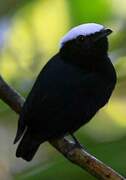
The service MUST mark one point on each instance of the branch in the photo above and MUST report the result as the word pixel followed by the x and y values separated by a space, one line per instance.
pixel 74 154
pixel 10 96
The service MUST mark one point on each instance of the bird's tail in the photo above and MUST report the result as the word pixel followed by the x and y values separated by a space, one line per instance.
pixel 27 147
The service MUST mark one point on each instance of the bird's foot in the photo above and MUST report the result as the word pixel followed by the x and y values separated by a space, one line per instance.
pixel 77 143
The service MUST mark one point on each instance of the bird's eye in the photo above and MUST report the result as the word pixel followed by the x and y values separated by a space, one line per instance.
pixel 80 38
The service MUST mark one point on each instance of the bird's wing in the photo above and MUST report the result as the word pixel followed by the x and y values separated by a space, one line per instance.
pixel 58 92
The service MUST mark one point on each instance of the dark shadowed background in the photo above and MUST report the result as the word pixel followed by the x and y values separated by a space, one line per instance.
pixel 30 33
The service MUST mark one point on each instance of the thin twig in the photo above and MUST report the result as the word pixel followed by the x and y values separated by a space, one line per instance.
pixel 74 154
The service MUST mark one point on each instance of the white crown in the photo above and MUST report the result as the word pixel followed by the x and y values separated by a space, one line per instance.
pixel 83 29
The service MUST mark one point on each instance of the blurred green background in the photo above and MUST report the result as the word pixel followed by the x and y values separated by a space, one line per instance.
pixel 30 33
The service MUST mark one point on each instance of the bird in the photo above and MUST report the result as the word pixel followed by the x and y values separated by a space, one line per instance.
pixel 69 90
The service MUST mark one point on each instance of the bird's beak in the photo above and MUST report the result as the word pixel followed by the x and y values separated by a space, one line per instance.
pixel 107 32
pixel 103 33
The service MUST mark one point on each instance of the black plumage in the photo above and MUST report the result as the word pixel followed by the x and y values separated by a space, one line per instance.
pixel 68 92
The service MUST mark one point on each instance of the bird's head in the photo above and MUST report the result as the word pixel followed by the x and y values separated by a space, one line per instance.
pixel 86 40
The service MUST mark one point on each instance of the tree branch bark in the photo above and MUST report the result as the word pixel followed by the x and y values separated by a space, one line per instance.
pixel 74 154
